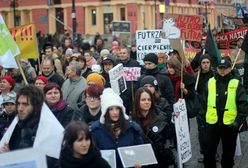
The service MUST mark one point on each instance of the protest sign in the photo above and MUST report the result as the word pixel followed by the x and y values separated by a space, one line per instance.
pixel 138 154
pixel 121 32
pixel 27 158
pixel 132 73
pixel 109 156
pixel 8 47
pixel 148 41
pixel 182 132
pixel 117 79
pixel 190 26
pixel 25 37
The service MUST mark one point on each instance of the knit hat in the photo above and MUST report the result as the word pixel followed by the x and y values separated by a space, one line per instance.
pixel 96 78
pixel 96 68
pixel 10 80
pixel 110 98
pixel 149 80
pixel 9 98
pixel 104 53
pixel 205 56
pixel 42 78
pixel 151 57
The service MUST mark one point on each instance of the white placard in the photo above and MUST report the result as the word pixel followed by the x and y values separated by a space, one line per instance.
pixel 109 156
pixel 27 158
pixel 151 41
pixel 117 79
pixel 238 151
pixel 138 154
pixel 132 73
pixel 182 132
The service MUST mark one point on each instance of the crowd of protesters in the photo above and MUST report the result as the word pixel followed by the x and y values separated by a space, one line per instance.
pixel 72 78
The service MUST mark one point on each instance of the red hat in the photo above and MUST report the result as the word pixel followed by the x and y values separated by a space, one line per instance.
pixel 43 78
pixel 10 80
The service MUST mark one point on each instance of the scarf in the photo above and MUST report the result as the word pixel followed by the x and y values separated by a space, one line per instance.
pixel 89 160
pixel 59 106
pixel 176 80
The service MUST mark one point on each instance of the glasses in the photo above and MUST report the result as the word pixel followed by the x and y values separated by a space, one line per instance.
pixel 92 98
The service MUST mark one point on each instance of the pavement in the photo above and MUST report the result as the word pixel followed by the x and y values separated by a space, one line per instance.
pixel 240 161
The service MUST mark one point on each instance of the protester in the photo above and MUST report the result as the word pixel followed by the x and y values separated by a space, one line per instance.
pixel 164 83
pixel 33 126
pixel 74 86
pixel 85 71
pixel 114 130
pixel 54 99
pixel 7 84
pixel 90 60
pixel 107 64
pixel 226 109
pixel 154 125
pixel 205 74
pixel 8 114
pixel 162 59
pixel 78 149
pixel 40 82
pixel 91 111
pixel 47 67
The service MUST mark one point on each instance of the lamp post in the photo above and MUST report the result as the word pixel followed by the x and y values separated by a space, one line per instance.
pixel 74 21
pixel 155 7
pixel 14 4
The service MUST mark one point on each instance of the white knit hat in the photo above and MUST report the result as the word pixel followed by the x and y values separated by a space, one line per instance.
pixel 110 98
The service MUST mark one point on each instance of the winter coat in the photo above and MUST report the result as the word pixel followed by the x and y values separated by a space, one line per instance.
pixel 5 121
pixel 104 140
pixel 86 116
pixel 54 77
pixel 63 112
pixel 92 159
pixel 73 90
pixel 156 132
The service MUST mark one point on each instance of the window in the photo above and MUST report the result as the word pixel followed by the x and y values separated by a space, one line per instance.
pixel 93 17
pixel 123 13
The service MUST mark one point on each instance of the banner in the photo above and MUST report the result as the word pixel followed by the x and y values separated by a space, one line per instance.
pixel 25 37
pixel 182 132
pixel 148 41
pixel 229 40
pixel 8 47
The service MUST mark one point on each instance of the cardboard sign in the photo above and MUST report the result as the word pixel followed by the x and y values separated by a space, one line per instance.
pixel 117 79
pixel 148 41
pixel 132 73
pixel 109 156
pixel 27 158
pixel 138 154
pixel 182 132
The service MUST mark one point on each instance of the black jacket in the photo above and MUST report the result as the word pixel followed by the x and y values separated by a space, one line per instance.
pixel 92 159
pixel 221 97
pixel 164 83
pixel 86 116
pixel 5 121
pixel 54 77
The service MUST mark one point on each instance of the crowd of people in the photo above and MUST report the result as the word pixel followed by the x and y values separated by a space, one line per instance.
pixel 74 82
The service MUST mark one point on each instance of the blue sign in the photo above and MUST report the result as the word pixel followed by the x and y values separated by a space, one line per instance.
pixel 239 11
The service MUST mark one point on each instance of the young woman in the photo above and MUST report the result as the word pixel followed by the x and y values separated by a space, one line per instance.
pixel 54 100
pixel 185 88
pixel 114 130
pixel 91 111
pixel 78 150
pixel 154 125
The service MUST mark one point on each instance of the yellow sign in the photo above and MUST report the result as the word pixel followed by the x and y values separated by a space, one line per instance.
pixel 25 37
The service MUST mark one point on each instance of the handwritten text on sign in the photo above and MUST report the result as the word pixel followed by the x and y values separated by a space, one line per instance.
pixel 132 73
pixel 182 132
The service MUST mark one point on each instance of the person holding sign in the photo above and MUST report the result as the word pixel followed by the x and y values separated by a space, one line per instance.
pixel 226 109
pixel 155 126
pixel 78 150
pixel 114 129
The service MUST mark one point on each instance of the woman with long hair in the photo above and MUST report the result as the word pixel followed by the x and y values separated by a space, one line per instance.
pixel 114 129
pixel 154 125
pixel 78 150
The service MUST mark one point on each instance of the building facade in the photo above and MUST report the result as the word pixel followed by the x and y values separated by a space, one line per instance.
pixel 93 16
